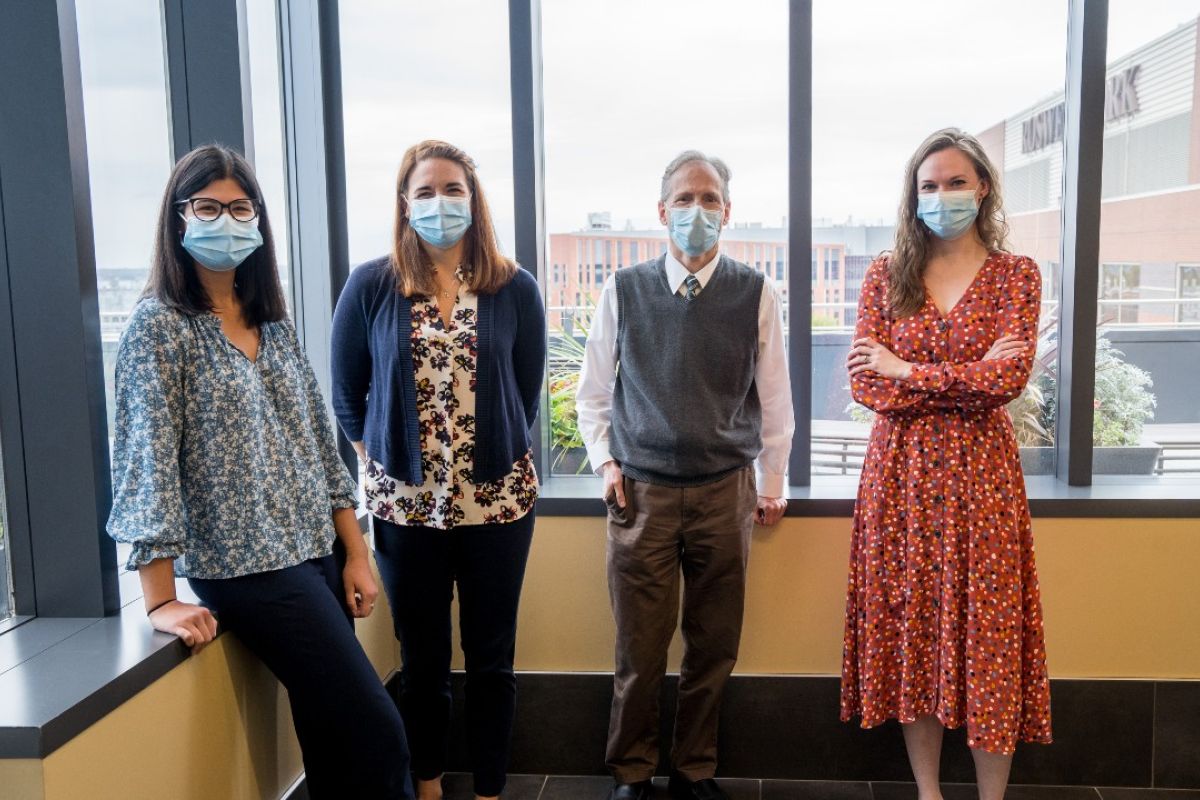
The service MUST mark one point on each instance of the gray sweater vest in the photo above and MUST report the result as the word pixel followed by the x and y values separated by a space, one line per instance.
pixel 685 409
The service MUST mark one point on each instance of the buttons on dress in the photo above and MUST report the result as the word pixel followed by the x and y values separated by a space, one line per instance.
pixel 955 547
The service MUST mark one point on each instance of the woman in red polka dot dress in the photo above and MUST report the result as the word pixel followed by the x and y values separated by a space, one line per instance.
pixel 943 612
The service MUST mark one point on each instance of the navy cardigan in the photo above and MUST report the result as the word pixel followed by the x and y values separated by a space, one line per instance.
pixel 375 393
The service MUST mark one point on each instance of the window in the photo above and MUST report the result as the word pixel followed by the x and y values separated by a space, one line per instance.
pixel 129 161
pixel 265 108
pixel 1118 283
pixel 868 121
pixel 6 599
pixel 1145 418
pixel 1189 288
pixel 449 80
pixel 727 98
pixel 129 154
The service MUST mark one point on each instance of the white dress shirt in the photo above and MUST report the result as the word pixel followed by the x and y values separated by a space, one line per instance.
pixel 598 379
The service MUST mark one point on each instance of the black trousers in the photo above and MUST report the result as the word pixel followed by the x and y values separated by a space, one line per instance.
pixel 420 567
pixel 295 620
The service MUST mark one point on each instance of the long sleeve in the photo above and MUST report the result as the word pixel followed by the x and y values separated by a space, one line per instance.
pixel 529 354
pixel 774 394
pixel 147 506
pixel 986 384
pixel 598 378
pixel 351 356
pixel 343 491
pixel 877 393
pixel 969 384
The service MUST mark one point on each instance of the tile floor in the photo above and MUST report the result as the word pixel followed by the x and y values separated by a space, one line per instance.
pixel 592 787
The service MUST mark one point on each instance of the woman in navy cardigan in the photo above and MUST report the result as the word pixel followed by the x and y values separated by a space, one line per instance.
pixel 438 355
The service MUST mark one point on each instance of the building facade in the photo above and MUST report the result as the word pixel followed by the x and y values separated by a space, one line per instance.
pixel 1149 236
pixel 581 261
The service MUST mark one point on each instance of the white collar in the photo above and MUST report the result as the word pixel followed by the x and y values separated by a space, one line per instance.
pixel 677 273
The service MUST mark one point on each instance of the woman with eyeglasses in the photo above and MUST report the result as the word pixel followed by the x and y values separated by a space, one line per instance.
pixel 439 350
pixel 225 472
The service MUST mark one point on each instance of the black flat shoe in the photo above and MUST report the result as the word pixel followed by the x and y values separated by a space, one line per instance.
pixel 683 789
pixel 630 791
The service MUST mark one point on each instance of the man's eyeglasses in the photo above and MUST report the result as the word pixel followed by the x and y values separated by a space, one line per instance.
pixel 206 209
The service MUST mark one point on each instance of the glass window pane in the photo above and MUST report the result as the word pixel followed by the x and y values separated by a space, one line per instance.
pixel 129 161
pixel 1145 410
pixel 700 88
pixel 450 82
pixel 869 116
pixel 267 112
pixel 6 599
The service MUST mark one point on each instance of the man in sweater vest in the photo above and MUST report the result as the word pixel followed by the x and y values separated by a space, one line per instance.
pixel 686 409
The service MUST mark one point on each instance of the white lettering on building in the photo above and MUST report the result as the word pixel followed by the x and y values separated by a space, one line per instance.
pixel 1120 100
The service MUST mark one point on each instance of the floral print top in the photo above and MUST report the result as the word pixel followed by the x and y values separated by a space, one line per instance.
pixel 444 365
pixel 224 464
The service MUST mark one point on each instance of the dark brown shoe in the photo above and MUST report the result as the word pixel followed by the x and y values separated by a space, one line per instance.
pixel 683 789
pixel 630 791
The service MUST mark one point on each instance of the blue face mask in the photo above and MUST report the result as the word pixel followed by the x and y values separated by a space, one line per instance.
pixel 695 229
pixel 441 221
pixel 948 214
pixel 223 243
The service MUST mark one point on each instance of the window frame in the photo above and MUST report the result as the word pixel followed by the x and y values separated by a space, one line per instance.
pixel 1086 80
pixel 1179 296
pixel 54 425
pixel 74 453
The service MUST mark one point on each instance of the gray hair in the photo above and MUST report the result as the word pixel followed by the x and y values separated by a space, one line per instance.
pixel 688 156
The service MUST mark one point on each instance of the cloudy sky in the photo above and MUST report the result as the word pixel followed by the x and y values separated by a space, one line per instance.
pixel 627 84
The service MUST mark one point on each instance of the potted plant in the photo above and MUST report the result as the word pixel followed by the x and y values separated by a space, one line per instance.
pixel 566 360
pixel 1123 404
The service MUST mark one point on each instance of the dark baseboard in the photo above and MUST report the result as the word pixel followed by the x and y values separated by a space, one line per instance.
pixel 1107 733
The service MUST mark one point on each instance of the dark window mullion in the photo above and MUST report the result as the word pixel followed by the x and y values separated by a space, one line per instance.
pixel 525 73
pixel 54 361
pixel 800 295
pixel 1083 151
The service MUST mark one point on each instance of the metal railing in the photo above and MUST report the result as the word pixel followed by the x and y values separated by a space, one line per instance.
pixel 1102 305
pixel 838 455
pixel 1105 307
pixel 843 455
pixel 1176 452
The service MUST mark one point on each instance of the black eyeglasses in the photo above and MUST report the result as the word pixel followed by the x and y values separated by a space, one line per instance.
pixel 206 209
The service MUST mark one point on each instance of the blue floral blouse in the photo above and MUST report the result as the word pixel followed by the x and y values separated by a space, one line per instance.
pixel 225 464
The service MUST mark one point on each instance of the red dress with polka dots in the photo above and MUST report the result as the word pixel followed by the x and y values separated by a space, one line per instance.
pixel 943 611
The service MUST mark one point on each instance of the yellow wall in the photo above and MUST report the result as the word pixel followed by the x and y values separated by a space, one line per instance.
pixel 1119 594
pixel 216 726
pixel 21 779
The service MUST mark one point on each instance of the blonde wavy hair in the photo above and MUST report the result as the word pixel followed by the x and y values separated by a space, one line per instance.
pixel 910 253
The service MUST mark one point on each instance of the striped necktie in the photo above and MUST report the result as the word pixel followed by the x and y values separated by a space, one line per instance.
pixel 693 286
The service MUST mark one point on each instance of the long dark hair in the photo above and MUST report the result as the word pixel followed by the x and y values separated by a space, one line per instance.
pixel 490 270
pixel 173 280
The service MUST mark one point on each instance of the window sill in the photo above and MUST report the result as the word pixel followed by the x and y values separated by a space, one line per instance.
pixel 58 676
pixel 1112 496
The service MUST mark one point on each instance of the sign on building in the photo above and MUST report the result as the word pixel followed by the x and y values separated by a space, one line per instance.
pixel 1120 100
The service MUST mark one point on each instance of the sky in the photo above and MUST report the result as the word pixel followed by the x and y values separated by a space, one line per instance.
pixel 627 84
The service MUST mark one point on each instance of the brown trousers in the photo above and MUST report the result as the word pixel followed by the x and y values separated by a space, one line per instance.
pixel 705 532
